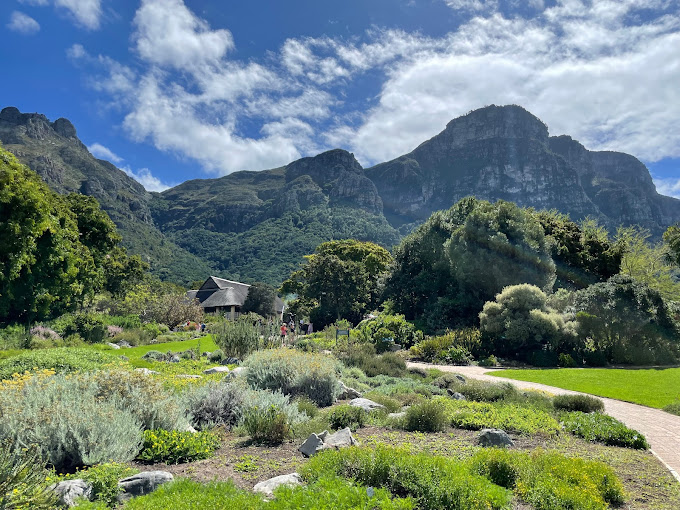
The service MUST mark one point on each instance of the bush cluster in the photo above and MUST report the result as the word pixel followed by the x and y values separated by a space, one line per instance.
pixel 295 373
pixel 347 416
pixel 428 416
pixel 61 359
pixel 270 417
pixel 603 429
pixel 90 326
pixel 24 481
pixel 365 359
pixel 174 447
pixel 582 403
pixel 453 348
pixel 386 329
pixel 218 404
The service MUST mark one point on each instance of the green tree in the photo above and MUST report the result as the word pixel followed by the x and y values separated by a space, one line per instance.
pixel 44 268
pixel 628 321
pixel 583 253
pixel 519 321
pixel 672 239
pixel 648 263
pixel 342 279
pixel 260 300
pixel 460 258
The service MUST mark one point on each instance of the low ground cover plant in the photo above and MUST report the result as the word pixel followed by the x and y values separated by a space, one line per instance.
pixel 174 447
pixel 501 415
pixel 582 403
pixel 104 480
pixel 479 391
pixel 62 359
pixel 603 429
pixel 347 416
pixel 329 492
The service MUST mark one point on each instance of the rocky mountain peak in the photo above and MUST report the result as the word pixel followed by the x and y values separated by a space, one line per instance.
pixel 64 128
pixel 324 168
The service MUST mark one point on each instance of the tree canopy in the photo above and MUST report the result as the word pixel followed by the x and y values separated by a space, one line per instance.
pixel 341 279
pixel 260 300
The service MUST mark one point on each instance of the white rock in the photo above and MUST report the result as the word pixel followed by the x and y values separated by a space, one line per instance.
pixel 341 439
pixel 113 346
pixel 217 370
pixel 267 487
pixel 70 491
pixel 347 392
pixel 237 372
pixel 366 404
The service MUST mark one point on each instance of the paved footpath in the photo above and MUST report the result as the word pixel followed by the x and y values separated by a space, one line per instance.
pixel 661 429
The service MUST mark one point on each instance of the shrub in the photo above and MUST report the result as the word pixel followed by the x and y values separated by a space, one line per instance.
pixel 456 345
pixel 391 404
pixel 509 417
pixel 216 404
pixel 216 356
pixel 425 417
pixel 549 481
pixel 347 416
pixel 113 330
pixel 306 406
pixel 82 429
pixel 23 480
pixel 565 361
pixel 90 326
pixel 174 447
pixel 371 365
pixel 603 429
pixel 44 333
pixel 60 360
pixel 295 373
pixel 455 355
pixel 385 326
pixel 489 361
pixel 583 403
pixel 266 425
pixel 154 356
pixel 433 482
pixel 478 391
pixel 134 337
pixel 104 479
pixel 241 337
pixel 673 408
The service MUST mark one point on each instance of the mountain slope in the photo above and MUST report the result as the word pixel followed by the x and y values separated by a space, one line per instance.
pixel 505 152
pixel 53 150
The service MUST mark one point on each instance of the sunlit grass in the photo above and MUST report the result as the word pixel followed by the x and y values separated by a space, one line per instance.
pixel 648 387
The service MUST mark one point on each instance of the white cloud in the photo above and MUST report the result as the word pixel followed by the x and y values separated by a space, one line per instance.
pixel 669 187
pixel 22 23
pixel 593 69
pixel 77 51
pixel 169 34
pixel 144 177
pixel 86 13
pixel 102 152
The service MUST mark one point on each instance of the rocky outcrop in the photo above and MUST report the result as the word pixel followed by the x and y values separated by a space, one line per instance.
pixel 318 442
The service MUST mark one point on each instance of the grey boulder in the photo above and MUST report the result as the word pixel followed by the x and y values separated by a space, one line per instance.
pixel 267 487
pixel 346 392
pixel 142 483
pixel 366 404
pixel 70 491
pixel 455 395
pixel 124 344
pixel 188 376
pixel 318 442
pixel 238 371
pixel 494 437
pixel 313 444
pixel 174 359
pixel 113 346
pixel 217 370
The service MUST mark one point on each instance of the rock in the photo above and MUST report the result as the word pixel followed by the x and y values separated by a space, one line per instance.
pixel 366 404
pixel 231 361
pixel 494 437
pixel 341 439
pixel 145 371
pixel 267 487
pixel 69 491
pixel 455 395
pixel 347 392
pixel 312 445
pixel 238 371
pixel 142 483
pixel 124 358
pixel 188 376
pixel 317 442
pixel 397 415
pixel 174 359
pixel 326 352
pixel 189 428
pixel 461 378
pixel 112 345
pixel 217 370
pixel 206 354
pixel 124 344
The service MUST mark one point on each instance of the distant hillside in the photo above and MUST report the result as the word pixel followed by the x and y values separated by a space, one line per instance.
pixel 53 150
pixel 257 225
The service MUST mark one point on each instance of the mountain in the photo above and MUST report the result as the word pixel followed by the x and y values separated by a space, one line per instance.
pixel 53 150
pixel 505 152
pixel 257 225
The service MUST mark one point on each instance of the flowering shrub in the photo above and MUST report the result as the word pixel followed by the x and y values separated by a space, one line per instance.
pixel 113 330
pixel 44 333
pixel 173 447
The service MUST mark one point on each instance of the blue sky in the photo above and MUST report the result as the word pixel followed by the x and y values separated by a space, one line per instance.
pixel 171 90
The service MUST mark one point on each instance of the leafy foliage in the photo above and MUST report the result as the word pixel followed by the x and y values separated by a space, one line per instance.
pixel 174 447
pixel 23 480
pixel 426 417
pixel 340 280
pixel 582 403
pixel 260 300
pixel 160 303
pixel 347 416
pixel 241 337
pixel 604 429
pixel 384 327
pixel 454 347
pixel 104 480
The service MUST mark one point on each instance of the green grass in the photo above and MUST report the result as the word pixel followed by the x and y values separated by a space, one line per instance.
pixel 648 387
pixel 136 353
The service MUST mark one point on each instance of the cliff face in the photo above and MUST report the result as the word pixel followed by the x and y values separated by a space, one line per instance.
pixel 504 152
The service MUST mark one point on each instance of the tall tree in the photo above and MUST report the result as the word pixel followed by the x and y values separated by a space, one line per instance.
pixel 260 300
pixel 341 280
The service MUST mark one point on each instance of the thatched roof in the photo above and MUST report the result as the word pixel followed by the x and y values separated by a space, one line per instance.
pixel 220 293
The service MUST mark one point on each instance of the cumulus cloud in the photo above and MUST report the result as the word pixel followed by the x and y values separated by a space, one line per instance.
pixel 146 179
pixel 102 152
pixel 603 71
pixel 22 23
pixel 669 187
pixel 85 13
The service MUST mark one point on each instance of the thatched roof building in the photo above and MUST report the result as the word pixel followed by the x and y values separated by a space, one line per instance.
pixel 218 295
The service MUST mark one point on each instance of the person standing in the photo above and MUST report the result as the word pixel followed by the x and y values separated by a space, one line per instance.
pixel 284 332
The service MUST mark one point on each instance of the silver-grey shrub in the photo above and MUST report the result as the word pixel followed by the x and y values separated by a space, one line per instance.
pixel 67 420
pixel 241 337
pixel 216 404
pixel 295 373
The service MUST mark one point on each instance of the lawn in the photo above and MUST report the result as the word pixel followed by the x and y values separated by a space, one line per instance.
pixel 648 387
pixel 136 353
